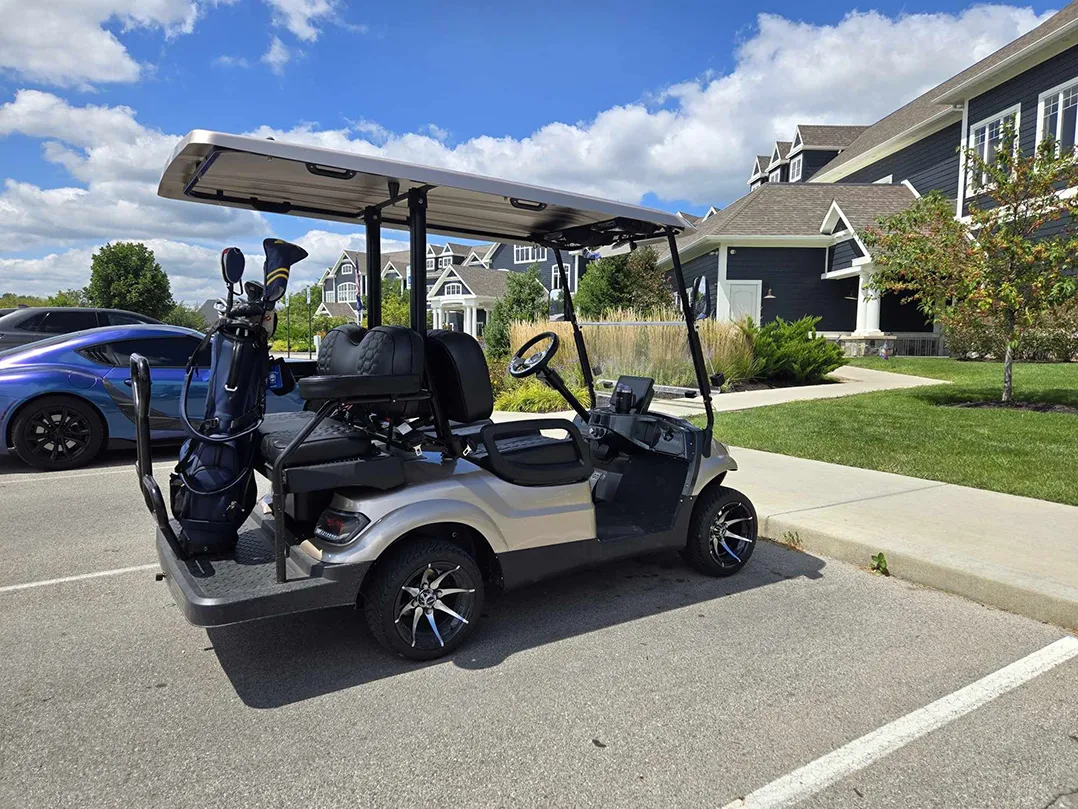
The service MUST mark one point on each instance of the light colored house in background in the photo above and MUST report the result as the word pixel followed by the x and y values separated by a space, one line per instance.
pixel 462 297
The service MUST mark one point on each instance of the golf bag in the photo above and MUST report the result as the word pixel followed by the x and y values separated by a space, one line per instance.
pixel 212 490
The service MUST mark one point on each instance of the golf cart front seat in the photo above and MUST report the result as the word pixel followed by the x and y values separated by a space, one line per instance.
pixel 517 451
pixel 385 361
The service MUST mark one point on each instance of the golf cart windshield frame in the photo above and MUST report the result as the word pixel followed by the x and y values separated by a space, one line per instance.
pixel 281 178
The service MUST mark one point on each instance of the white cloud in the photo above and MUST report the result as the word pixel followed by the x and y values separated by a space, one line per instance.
pixel 66 43
pixel 193 269
pixel 231 61
pixel 302 17
pixel 695 140
pixel 119 161
pixel 277 56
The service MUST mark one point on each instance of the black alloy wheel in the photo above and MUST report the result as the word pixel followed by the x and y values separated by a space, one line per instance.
pixel 58 432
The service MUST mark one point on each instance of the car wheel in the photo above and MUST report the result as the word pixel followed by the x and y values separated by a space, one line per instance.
pixel 58 432
pixel 424 599
pixel 722 533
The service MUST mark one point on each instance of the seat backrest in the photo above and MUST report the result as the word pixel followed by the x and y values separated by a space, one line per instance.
pixel 337 356
pixel 458 376
pixel 390 350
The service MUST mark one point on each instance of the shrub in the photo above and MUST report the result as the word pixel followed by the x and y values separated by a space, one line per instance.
pixel 533 396
pixel 1053 339
pixel 655 350
pixel 788 351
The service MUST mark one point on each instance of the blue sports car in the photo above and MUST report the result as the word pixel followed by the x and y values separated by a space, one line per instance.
pixel 63 399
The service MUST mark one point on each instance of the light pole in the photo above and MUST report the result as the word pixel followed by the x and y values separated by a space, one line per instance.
pixel 288 325
pixel 310 331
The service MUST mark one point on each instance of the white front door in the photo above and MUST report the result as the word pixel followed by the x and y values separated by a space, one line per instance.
pixel 744 298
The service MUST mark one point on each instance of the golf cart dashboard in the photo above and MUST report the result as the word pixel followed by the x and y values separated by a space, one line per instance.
pixel 635 431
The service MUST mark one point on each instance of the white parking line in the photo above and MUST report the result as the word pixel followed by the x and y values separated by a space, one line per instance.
pixel 10 588
pixel 823 772
pixel 45 478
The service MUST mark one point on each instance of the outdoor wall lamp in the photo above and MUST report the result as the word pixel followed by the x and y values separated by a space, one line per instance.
pixel 770 296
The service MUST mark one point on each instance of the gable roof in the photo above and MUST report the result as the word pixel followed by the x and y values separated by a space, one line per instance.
pixel 400 259
pixel 828 136
pixel 691 218
pixel 934 107
pixel 759 166
pixel 358 259
pixel 793 210
pixel 456 249
pixel 782 148
pixel 340 310
pixel 480 281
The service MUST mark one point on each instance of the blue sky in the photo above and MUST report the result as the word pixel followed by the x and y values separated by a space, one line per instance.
pixel 649 102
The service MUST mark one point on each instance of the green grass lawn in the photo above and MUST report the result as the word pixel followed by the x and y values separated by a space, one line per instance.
pixel 913 432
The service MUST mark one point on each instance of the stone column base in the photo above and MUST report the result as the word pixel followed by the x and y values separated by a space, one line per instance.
pixel 854 345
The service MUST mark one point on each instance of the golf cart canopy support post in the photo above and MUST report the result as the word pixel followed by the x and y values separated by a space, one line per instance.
pixel 372 219
pixel 695 350
pixel 417 248
pixel 578 336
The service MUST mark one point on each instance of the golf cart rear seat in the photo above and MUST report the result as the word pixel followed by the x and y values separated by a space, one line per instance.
pixel 382 369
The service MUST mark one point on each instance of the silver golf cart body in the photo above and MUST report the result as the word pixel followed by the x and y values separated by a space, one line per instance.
pixel 522 531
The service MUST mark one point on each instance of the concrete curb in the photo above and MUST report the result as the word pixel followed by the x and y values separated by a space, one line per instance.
pixel 990 584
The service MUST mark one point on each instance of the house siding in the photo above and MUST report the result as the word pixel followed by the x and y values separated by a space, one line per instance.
pixel 841 256
pixel 502 259
pixel 896 316
pixel 793 275
pixel 1025 89
pixel 708 266
pixel 931 164
pixel 814 160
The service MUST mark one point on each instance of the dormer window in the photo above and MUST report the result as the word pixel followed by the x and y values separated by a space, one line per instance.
pixel 454 288
pixel 445 261
pixel 347 269
pixel 795 169
pixel 775 176
pixel 430 263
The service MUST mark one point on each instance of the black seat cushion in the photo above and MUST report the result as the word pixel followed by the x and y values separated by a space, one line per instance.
pixel 537 450
pixel 458 376
pixel 331 441
pixel 339 350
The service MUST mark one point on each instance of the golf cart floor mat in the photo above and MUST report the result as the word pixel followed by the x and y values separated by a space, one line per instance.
pixel 243 586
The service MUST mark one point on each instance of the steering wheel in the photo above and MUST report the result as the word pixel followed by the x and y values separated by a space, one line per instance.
pixel 524 364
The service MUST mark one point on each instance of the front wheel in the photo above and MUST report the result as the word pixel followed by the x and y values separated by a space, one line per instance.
pixel 722 532
pixel 424 600
pixel 58 432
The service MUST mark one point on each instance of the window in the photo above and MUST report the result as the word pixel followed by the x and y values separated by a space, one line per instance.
pixel 1059 116
pixel 346 293
pixel 58 321
pixel 528 254
pixel 346 269
pixel 453 288
pixel 985 138
pixel 123 319
pixel 795 169
pixel 329 296
pixel 162 352
pixel 445 261
pixel 430 263
pixel 775 176
pixel 555 278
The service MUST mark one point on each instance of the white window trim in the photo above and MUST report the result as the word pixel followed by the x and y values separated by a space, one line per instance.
pixel 329 296
pixel 1055 91
pixel 430 263
pixel 453 288
pixel 347 269
pixel 531 254
pixel 344 290
pixel 775 176
pixel 795 169
pixel 1016 109
pixel 445 261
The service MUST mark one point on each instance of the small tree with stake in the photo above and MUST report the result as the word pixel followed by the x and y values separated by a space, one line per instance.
pixel 1009 266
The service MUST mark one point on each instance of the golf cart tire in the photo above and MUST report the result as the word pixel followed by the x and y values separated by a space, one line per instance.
pixel 390 575
pixel 697 550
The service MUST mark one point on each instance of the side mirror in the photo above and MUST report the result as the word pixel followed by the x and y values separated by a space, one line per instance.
pixel 700 300
pixel 232 264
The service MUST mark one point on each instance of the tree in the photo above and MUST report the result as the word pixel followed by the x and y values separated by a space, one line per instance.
pixel 525 300
pixel 1009 266
pixel 183 315
pixel 395 306
pixel 11 300
pixel 69 297
pixel 624 281
pixel 125 275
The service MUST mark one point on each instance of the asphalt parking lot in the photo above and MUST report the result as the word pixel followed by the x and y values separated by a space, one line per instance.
pixel 639 684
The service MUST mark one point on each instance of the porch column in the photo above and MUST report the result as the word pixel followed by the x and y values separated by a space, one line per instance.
pixel 469 319
pixel 868 305
pixel 438 317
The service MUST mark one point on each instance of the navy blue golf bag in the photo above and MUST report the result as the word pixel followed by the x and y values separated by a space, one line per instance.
pixel 212 489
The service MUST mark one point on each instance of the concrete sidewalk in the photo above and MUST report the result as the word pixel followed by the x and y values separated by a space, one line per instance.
pixel 1015 553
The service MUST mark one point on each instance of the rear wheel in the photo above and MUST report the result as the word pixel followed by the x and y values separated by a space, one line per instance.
pixel 722 533
pixel 58 432
pixel 424 599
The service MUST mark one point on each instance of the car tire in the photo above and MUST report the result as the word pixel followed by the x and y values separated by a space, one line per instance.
pixel 401 585
pixel 722 532
pixel 77 437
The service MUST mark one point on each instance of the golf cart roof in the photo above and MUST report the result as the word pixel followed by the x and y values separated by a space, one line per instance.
pixel 287 178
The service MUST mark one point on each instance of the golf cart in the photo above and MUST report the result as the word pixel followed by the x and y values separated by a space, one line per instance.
pixel 393 490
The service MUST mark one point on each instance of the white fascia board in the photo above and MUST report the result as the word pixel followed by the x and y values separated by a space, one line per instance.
pixel 930 126
pixel 1018 62
pixel 835 275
